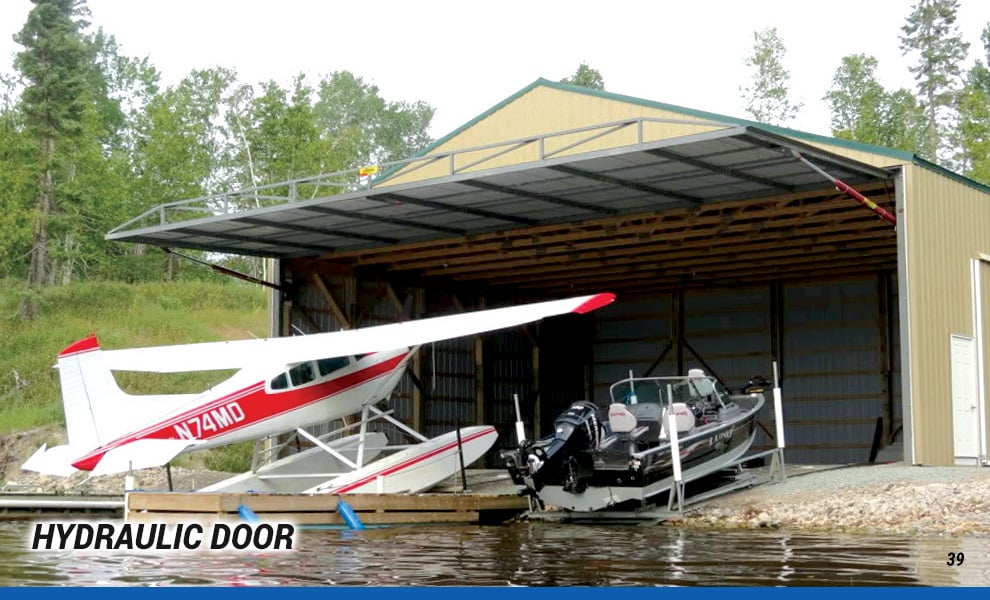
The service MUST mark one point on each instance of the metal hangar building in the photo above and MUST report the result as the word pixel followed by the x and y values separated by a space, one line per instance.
pixel 727 252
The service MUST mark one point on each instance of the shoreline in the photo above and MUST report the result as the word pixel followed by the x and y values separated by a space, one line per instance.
pixel 892 498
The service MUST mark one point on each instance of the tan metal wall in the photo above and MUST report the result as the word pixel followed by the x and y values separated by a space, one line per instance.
pixel 947 225
pixel 546 110
pixel 984 267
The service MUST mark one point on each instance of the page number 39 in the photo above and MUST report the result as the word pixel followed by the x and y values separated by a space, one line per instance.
pixel 955 559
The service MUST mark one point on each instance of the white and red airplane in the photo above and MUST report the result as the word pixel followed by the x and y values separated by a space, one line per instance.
pixel 281 384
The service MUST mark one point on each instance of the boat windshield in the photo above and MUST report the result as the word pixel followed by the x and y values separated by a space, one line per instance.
pixel 667 390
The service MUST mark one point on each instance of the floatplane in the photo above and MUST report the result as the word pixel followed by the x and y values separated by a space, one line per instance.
pixel 280 385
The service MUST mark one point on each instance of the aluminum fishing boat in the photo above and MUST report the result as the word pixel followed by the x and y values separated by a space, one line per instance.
pixel 620 458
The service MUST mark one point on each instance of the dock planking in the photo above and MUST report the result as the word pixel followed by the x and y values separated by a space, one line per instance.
pixel 321 509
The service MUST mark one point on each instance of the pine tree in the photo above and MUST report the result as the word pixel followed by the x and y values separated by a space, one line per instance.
pixel 932 33
pixel 53 64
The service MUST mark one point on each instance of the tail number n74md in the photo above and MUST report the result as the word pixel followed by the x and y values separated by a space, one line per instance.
pixel 210 423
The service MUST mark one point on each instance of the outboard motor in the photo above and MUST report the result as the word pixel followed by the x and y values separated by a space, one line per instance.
pixel 565 457
pixel 757 384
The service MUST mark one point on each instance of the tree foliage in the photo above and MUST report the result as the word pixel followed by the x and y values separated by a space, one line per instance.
pixel 972 137
pixel 931 33
pixel 587 77
pixel 768 96
pixel 89 139
pixel 863 111
pixel 55 100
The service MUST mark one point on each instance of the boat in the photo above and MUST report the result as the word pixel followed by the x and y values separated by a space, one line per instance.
pixel 621 459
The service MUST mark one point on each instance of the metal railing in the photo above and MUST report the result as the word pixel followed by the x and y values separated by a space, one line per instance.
pixel 368 177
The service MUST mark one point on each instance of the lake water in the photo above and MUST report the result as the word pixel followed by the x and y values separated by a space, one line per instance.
pixel 523 554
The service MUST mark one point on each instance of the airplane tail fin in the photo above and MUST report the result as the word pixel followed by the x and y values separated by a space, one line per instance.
pixel 90 396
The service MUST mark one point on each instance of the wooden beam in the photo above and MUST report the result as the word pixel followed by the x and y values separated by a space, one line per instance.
pixel 668 251
pixel 338 314
pixel 672 215
pixel 692 260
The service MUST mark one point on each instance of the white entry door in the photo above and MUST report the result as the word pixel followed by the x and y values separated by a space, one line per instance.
pixel 964 400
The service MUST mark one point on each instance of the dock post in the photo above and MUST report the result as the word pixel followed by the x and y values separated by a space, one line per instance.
pixel 460 457
pixel 777 470
pixel 677 489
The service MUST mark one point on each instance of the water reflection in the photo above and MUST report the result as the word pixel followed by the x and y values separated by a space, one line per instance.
pixel 529 554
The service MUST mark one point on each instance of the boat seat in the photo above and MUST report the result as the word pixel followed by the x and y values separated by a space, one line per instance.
pixel 620 419
pixel 682 416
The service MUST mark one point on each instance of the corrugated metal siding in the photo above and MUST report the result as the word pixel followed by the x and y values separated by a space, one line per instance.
pixel 985 314
pixel 834 375
pixel 448 374
pixel 948 224
pixel 730 331
pixel 833 383
pixel 630 335
pixel 508 371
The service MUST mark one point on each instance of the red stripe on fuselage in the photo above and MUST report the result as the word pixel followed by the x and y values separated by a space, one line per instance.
pixel 412 461
pixel 254 401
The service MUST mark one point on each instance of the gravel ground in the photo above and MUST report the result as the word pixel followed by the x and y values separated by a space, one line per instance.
pixel 887 499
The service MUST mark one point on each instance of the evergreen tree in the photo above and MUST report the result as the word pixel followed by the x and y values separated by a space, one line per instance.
pixel 972 137
pixel 53 64
pixel 767 98
pixel 931 32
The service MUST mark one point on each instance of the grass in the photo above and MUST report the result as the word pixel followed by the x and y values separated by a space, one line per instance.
pixel 122 316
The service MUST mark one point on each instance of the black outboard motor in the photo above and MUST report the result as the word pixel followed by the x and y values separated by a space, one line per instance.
pixel 565 457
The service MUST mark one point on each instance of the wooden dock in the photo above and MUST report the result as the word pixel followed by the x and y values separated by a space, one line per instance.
pixel 32 506
pixel 321 509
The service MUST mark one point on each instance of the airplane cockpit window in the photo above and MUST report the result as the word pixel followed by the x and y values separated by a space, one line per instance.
pixel 302 373
pixel 280 382
pixel 329 365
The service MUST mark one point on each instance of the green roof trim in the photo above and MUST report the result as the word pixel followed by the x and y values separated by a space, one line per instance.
pixel 927 164
pixel 901 155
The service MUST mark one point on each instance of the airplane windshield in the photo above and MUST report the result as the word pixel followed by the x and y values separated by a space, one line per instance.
pixel 280 382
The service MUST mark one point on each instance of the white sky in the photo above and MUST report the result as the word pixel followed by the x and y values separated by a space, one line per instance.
pixel 464 56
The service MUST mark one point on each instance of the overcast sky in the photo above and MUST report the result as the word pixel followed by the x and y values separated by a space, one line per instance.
pixel 464 56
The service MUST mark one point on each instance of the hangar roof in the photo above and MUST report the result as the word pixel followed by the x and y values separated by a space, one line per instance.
pixel 693 174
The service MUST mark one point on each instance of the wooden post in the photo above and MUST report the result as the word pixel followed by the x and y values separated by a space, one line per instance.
pixel 885 325
pixel 777 324
pixel 677 328
pixel 537 403
pixel 479 381
pixel 419 307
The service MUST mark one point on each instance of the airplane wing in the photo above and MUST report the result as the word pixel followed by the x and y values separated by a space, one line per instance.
pixel 287 350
